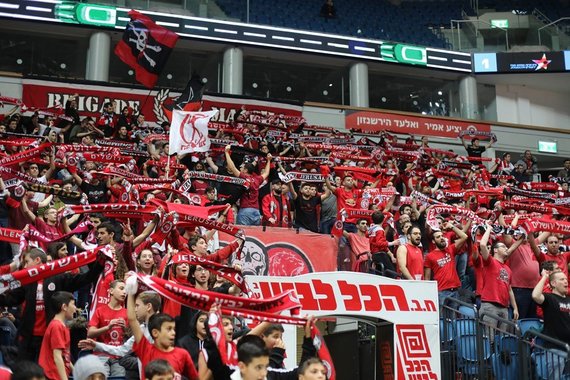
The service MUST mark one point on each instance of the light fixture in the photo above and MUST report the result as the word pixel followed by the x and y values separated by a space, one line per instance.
pixel 330 84
pixel 383 99
pixel 168 76
pixel 440 92
pixel 63 66
pixel 204 80
pixel 288 88
pixel 19 61
pixel 415 102
pixel 130 72
pixel 325 92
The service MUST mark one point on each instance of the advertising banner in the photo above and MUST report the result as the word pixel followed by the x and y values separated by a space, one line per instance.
pixel 91 98
pixel 371 121
pixel 411 306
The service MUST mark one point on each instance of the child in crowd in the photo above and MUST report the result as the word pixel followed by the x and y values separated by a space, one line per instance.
pixel 54 353
pixel 158 369
pixel 162 330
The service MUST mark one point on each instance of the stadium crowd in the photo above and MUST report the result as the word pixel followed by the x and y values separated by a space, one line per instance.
pixel 106 191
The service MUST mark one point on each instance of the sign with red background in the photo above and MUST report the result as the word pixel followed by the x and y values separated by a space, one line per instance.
pixel 414 125
pixel 284 252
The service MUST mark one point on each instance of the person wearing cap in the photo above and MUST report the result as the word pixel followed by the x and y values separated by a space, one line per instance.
pixel 275 207
pixel 89 368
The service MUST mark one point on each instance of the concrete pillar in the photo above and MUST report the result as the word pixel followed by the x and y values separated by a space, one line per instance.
pixel 98 57
pixel 358 83
pixel 232 82
pixel 469 103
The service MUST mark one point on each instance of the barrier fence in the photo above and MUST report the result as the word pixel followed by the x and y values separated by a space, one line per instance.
pixel 486 346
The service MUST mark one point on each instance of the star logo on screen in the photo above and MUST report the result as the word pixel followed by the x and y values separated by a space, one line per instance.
pixel 542 63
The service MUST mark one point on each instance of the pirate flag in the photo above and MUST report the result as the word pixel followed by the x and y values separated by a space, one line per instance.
pixel 189 100
pixel 145 47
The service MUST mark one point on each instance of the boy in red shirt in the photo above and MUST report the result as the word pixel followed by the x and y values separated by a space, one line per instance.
pixel 54 353
pixel 108 324
pixel 162 329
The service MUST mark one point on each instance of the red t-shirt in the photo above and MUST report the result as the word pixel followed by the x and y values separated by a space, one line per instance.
pixel 525 266
pixel 359 245
pixel 56 338
pixel 479 273
pixel 346 199
pixel 377 236
pixel 498 277
pixel 442 265
pixel 102 316
pixel 40 324
pixel 415 261
pixel 178 358
pixel 51 232
pixel 250 198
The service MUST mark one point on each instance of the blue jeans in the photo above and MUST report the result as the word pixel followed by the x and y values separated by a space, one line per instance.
pixel 461 266
pixel 525 304
pixel 327 225
pixel 249 217
pixel 442 295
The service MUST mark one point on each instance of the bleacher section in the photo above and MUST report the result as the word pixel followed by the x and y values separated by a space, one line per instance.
pixel 410 22
pixel 361 18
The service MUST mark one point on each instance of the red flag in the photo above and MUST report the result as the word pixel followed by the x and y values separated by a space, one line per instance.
pixel 145 47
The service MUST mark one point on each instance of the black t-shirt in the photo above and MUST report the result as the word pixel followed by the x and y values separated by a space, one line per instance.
pixel 230 191
pixel 557 317
pixel 95 193
pixel 475 151
pixel 306 212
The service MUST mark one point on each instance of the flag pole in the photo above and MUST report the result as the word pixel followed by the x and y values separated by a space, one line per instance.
pixel 145 100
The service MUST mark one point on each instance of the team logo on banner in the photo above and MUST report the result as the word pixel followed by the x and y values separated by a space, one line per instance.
pixel 189 132
pixel 260 259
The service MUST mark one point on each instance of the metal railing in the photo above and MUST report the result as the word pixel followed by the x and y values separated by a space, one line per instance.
pixel 553 23
pixel 456 29
pixel 485 346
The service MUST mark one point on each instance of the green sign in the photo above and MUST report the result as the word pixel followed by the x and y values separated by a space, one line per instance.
pixel 548 146
pixel 400 53
pixel 500 24
pixel 87 14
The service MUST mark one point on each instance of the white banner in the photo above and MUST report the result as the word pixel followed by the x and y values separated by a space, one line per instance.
pixel 189 132
pixel 412 307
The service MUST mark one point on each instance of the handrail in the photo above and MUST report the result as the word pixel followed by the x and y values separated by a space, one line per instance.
pixel 547 338
pixel 508 322
pixel 477 29
pixel 547 25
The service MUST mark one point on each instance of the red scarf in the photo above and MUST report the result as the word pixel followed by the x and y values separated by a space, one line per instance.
pixel 224 271
pixel 40 272
pixel 323 351
pixel 263 310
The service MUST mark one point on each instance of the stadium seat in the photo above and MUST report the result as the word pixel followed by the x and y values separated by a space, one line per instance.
pixel 467 312
pixel 446 334
pixel 505 366
pixel 468 357
pixel 465 326
pixel 506 343
pixel 530 323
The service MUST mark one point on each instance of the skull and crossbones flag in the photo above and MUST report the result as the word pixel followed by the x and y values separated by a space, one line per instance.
pixel 145 47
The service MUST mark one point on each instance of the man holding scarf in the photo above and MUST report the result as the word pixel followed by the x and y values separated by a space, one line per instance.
pixel 38 310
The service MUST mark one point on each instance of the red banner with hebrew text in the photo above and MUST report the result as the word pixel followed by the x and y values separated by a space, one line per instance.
pixel 415 125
